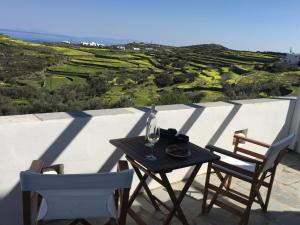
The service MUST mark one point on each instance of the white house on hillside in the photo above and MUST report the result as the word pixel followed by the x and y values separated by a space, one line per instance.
pixel 93 44
pixel 291 58
pixel 121 47
pixel 136 49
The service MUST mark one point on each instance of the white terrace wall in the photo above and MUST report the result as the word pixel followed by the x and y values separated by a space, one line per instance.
pixel 81 140
pixel 295 125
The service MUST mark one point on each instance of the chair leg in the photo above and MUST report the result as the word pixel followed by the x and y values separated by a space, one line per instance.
pixel 245 218
pixel 124 197
pixel 228 183
pixel 269 190
pixel 214 198
pixel 206 188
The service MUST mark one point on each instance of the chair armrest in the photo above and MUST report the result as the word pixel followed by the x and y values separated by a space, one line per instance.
pixel 252 141
pixel 58 168
pixel 231 154
pixel 36 166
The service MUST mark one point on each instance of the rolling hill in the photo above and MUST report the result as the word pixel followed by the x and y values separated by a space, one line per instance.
pixel 61 77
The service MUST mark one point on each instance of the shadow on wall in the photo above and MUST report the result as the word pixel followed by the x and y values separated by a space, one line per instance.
pixel 135 131
pixel 213 140
pixel 192 119
pixel 225 123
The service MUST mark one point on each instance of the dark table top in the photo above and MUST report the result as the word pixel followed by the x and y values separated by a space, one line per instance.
pixel 135 148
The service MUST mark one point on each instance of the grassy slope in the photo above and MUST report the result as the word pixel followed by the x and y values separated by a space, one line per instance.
pixel 208 63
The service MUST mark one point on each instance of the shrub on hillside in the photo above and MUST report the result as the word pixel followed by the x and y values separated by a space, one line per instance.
pixel 163 80
pixel 238 70
pixel 97 86
pixel 190 76
pixel 179 63
pixel 124 101
pixel 195 97
pixel 179 78
pixel 165 61
pixel 6 106
pixel 278 67
pixel 172 97
pixel 246 91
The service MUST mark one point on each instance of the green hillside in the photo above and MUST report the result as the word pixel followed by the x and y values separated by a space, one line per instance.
pixel 59 77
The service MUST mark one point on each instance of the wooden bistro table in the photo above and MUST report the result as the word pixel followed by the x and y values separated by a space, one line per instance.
pixel 136 151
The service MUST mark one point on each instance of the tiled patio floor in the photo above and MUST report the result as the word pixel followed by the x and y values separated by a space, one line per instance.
pixel 284 206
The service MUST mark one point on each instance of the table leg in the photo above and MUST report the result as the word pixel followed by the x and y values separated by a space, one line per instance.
pixel 145 185
pixel 174 199
pixel 183 192
pixel 137 189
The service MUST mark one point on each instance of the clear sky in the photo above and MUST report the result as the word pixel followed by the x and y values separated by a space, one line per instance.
pixel 238 24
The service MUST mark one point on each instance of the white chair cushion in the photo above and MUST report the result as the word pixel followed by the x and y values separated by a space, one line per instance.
pixel 50 172
pixel 239 163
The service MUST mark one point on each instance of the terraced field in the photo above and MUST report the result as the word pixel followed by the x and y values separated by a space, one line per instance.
pixel 162 75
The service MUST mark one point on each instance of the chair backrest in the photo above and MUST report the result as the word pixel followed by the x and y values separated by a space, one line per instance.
pixel 274 151
pixel 71 196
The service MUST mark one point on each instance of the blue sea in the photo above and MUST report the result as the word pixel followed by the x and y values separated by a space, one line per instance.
pixel 45 37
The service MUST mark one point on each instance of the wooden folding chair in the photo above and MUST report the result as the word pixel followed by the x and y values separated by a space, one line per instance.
pixel 254 170
pixel 49 195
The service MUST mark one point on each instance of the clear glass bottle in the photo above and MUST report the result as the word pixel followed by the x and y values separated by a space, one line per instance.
pixel 151 122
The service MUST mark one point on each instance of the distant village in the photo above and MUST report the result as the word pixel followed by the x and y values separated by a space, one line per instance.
pixel 120 47
pixel 92 44
pixel 290 58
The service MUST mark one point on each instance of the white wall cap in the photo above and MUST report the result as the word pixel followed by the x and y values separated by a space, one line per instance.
pixel 18 118
pixel 214 104
pixel 258 100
